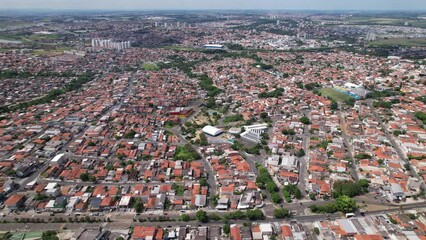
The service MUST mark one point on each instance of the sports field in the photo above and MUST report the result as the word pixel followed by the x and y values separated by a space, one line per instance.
pixel 334 94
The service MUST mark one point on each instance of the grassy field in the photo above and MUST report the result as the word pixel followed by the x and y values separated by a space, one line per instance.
pixel 421 23
pixel 150 67
pixel 47 52
pixel 187 49
pixel 403 42
pixel 334 94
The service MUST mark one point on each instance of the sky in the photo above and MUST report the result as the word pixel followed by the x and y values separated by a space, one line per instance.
pixel 215 4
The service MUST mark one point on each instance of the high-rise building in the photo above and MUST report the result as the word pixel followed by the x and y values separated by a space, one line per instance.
pixel 109 43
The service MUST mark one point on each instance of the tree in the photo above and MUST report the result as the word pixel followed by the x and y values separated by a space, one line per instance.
pixel 316 231
pixel 202 216
pixel 138 206
pixel 291 190
pixel 226 228
pixel 334 105
pixel 363 183
pixel 49 235
pixel 271 186
pixel 263 115
pixel 203 139
pixel 345 204
pixel 288 132
pixel 255 214
pixel 276 198
pixel 305 120
pixel 203 182
pixel 185 217
pixel 84 177
pixel 92 178
pixel 300 153
pixel 281 213
pixel 236 215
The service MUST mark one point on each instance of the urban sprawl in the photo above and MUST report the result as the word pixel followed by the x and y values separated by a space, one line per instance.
pixel 204 125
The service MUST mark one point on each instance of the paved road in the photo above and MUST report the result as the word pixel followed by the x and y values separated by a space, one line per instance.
pixel 303 168
pixel 35 176
pixel 394 144
pixel 348 144
pixel 125 220
pixel 207 167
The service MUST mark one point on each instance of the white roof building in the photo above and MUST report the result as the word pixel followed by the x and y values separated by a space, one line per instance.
pixel 51 185
pixel 57 159
pixel 253 133
pixel 125 201
pixel 212 131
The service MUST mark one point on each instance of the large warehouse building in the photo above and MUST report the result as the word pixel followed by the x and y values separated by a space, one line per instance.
pixel 212 131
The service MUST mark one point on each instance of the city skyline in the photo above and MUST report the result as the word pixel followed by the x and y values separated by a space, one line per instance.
pixel 218 4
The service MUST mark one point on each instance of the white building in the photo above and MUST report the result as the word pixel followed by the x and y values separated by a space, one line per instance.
pixel 58 159
pixel 253 133
pixel 212 131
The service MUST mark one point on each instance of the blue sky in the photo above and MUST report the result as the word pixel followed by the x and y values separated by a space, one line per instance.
pixel 216 4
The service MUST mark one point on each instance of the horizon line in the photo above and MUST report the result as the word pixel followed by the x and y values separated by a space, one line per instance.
pixel 209 9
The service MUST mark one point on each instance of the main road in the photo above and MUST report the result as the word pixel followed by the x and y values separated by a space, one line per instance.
pixel 394 144
pixel 126 222
pixel 348 144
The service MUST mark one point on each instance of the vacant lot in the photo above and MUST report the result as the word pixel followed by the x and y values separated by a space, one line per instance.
pixel 334 94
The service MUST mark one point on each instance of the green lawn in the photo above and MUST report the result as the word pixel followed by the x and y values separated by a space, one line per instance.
pixel 404 42
pixel 397 21
pixel 180 48
pixel 186 153
pixel 334 94
pixel 150 67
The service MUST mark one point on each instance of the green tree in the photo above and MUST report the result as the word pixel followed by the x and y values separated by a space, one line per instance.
pixel 345 204
pixel 138 206
pixel 281 213
pixel 226 228
pixel 316 231
pixel 203 139
pixel 84 177
pixel 203 182
pixel 49 235
pixel 305 120
pixel 300 153
pixel 334 105
pixel 185 217
pixel 276 198
pixel 271 186
pixel 255 214
pixel 202 216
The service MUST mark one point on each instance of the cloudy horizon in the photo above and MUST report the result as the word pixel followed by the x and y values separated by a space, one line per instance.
pixel 392 5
